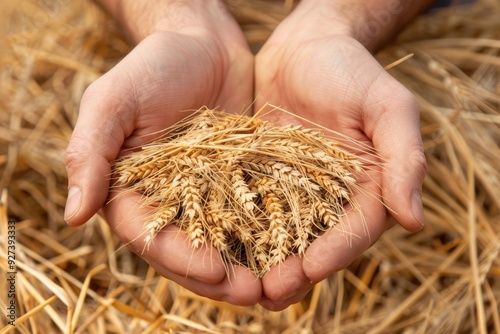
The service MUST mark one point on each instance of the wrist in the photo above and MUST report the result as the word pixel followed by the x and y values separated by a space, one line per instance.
pixel 140 19
pixel 372 22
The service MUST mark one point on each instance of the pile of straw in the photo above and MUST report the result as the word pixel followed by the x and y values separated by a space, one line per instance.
pixel 443 279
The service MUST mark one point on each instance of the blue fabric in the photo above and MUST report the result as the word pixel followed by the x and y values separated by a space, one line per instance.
pixel 442 3
pixel 446 3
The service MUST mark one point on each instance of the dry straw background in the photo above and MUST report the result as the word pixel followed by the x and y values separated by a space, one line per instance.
pixel 445 279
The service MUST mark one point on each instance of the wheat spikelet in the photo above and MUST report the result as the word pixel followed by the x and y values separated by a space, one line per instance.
pixel 267 189
pixel 218 238
pixel 191 199
pixel 325 215
pixel 255 191
pixel 326 181
pixel 164 216
pixel 280 171
pixel 279 252
pixel 261 253
pixel 141 171
pixel 215 216
pixel 242 193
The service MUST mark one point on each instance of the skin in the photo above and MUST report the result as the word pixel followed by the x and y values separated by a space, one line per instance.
pixel 316 64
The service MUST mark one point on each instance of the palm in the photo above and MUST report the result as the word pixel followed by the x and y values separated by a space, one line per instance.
pixel 325 80
pixel 167 74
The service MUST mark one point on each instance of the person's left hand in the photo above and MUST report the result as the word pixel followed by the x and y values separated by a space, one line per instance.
pixel 333 80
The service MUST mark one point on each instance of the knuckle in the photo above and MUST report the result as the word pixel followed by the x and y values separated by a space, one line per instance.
pixel 75 152
pixel 111 91
pixel 115 106
pixel 419 160
pixel 95 91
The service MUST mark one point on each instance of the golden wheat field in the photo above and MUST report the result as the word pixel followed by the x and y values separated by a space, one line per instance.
pixel 443 279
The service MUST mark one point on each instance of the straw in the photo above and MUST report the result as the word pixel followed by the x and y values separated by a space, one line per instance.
pixel 444 279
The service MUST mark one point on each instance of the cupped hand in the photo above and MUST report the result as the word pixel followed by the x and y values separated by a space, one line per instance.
pixel 166 73
pixel 331 79
pixel 324 75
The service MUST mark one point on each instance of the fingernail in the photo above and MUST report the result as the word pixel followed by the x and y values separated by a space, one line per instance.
pixel 416 206
pixel 72 204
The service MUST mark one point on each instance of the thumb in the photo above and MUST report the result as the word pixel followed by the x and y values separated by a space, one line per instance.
pixel 395 133
pixel 106 118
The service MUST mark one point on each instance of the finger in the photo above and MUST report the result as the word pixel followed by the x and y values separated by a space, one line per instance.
pixel 340 246
pixel 170 249
pixel 285 284
pixel 394 127
pixel 285 280
pixel 170 254
pixel 106 117
pixel 239 287
pixel 280 305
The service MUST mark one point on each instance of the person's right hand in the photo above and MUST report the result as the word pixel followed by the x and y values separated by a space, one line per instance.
pixel 197 58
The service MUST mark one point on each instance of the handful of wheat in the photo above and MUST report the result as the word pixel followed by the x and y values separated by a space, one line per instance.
pixel 256 191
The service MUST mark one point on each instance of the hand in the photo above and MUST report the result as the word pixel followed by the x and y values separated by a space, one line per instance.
pixel 314 67
pixel 199 57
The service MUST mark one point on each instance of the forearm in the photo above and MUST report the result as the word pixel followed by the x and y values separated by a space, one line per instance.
pixel 371 22
pixel 140 18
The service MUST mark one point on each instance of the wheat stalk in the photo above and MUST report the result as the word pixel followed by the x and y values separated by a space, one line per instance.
pixel 257 192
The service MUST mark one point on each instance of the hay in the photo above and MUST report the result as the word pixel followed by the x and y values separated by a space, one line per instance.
pixel 443 279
